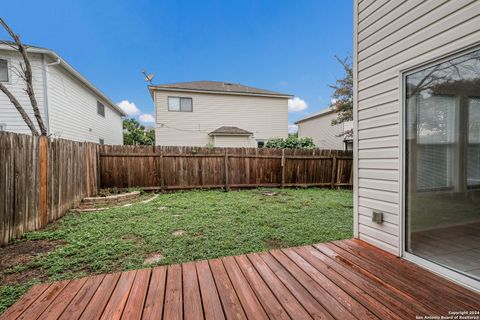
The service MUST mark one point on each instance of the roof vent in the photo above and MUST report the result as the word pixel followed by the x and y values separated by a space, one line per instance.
pixel 228 83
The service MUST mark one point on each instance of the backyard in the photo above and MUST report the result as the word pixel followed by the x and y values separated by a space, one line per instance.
pixel 173 228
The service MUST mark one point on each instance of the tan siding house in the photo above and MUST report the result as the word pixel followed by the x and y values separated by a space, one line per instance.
pixel 417 132
pixel 319 127
pixel 191 114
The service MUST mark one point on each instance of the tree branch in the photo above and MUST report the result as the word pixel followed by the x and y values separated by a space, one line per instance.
pixel 20 109
pixel 28 77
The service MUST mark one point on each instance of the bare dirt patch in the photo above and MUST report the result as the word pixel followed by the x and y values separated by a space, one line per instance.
pixel 153 258
pixel 15 258
pixel 275 244
pixel 178 233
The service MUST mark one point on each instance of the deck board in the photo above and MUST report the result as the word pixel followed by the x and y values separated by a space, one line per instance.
pixel 346 279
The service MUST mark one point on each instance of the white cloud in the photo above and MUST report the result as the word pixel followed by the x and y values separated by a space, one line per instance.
pixel 292 128
pixel 146 118
pixel 333 101
pixel 296 104
pixel 129 107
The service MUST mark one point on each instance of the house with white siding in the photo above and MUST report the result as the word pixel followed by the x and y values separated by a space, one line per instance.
pixel 70 105
pixel 417 132
pixel 221 114
pixel 318 126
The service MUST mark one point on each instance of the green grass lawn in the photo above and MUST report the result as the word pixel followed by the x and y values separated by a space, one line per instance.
pixel 210 223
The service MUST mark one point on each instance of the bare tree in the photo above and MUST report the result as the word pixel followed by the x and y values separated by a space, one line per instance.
pixel 27 75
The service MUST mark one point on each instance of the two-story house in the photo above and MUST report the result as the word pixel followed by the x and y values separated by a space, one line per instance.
pixel 71 106
pixel 318 126
pixel 221 114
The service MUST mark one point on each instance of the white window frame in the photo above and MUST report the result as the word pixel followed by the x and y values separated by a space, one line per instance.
pixel 179 103
pixel 429 265
pixel 9 81
pixel 99 103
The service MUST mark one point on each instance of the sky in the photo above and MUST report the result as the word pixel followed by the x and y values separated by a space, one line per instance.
pixel 280 45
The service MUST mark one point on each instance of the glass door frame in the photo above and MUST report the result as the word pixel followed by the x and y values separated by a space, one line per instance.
pixel 427 264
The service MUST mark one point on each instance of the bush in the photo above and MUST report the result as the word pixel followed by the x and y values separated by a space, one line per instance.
pixel 292 142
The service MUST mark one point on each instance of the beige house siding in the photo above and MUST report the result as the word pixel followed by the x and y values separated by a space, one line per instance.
pixel 265 117
pixel 390 37
pixel 233 141
pixel 324 135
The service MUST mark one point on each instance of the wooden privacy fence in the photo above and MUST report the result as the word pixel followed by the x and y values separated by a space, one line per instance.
pixel 41 179
pixel 169 168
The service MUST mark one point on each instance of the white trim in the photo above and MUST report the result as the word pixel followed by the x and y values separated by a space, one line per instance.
pixel 355 119
pixel 431 266
pixel 9 75
pixel 444 272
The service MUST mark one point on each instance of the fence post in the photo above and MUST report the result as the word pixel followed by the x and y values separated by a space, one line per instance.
pixel 334 170
pixel 283 168
pixel 226 170
pixel 162 172
pixel 43 181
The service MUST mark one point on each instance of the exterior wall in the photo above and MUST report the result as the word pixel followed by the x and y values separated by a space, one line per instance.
pixel 73 111
pixel 233 141
pixel 8 113
pixel 324 135
pixel 72 107
pixel 265 117
pixel 390 37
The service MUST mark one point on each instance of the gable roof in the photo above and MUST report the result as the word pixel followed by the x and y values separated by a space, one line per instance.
pixel 319 114
pixel 226 130
pixel 218 87
pixel 33 49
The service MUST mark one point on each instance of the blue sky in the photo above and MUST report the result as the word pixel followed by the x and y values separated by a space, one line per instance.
pixel 282 45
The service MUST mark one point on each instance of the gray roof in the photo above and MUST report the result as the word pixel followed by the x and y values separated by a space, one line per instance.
pixel 218 86
pixel 230 131
pixel 319 114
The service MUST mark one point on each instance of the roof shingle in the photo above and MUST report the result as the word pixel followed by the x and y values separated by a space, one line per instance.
pixel 217 86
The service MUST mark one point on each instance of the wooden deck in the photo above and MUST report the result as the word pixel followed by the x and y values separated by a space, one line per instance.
pixel 346 279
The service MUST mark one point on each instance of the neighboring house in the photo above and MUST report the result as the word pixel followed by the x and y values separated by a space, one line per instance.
pixel 318 126
pixel 417 132
pixel 71 107
pixel 221 114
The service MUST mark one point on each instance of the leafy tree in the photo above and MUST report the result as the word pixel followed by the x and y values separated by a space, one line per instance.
pixel 136 134
pixel 342 96
pixel 292 142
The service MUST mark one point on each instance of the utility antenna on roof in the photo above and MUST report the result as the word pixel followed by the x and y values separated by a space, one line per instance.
pixel 148 77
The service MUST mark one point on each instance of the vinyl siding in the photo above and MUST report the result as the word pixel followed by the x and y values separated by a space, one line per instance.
pixel 265 117
pixel 324 135
pixel 73 111
pixel 8 113
pixel 233 141
pixel 392 36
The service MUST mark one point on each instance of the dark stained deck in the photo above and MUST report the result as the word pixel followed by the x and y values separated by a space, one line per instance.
pixel 346 279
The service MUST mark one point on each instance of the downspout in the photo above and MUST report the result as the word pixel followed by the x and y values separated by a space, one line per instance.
pixel 45 88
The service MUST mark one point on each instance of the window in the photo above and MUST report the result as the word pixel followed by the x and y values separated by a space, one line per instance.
pixel 100 109
pixel 473 166
pixel 101 141
pixel 3 70
pixel 180 104
pixel 260 143
pixel 3 127
pixel 348 145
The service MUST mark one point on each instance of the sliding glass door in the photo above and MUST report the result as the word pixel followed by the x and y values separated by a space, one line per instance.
pixel 442 164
